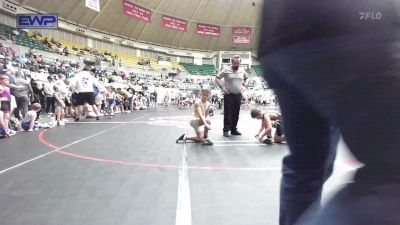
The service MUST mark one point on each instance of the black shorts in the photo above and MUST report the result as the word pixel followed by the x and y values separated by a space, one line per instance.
pixel 279 128
pixel 67 104
pixel 74 99
pixel 5 106
pixel 85 97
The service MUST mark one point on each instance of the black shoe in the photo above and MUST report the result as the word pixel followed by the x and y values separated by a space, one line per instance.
pixel 235 132
pixel 97 118
pixel 226 134
pixel 77 119
pixel 207 142
pixel 267 141
pixel 181 138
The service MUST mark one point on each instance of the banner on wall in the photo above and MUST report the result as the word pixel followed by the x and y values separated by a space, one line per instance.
pixel 205 29
pixel 242 40
pixel 136 11
pixel 37 21
pixel 93 4
pixel 241 31
pixel 174 23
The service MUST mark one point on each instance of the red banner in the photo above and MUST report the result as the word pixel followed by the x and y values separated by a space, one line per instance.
pixel 136 11
pixel 173 23
pixel 241 30
pixel 242 40
pixel 206 29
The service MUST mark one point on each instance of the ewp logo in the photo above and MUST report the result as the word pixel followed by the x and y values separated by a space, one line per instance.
pixel 35 21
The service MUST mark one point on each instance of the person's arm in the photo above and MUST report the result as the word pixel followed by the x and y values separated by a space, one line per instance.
pixel 30 90
pixel 57 98
pixel 218 80
pixel 202 118
pixel 96 82
pixel 268 126
pixel 245 80
pixel 14 86
pixel 1 91
pixel 207 113
pixel 261 129
pixel 267 129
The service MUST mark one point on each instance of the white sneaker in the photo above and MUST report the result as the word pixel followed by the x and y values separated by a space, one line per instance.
pixel 47 125
pixel 11 132
pixel 62 123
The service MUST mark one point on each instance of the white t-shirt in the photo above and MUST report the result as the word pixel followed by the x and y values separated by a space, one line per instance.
pixel 233 79
pixel 48 89
pixel 28 116
pixel 83 82
pixel 63 88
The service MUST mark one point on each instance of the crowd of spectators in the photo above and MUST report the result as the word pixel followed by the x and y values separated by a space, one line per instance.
pixel 50 89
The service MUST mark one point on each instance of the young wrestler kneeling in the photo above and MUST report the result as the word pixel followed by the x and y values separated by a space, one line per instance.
pixel 201 119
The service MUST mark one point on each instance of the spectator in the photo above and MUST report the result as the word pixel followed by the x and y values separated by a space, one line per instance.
pixel 128 97
pixel 39 59
pixel 22 96
pixel 332 68
pixel 23 61
pixel 38 96
pixel 3 127
pixel 83 84
pixel 64 90
pixel 12 38
pixel 46 42
pixel 65 51
pixel 29 123
pixel 53 69
pixel 59 105
pixel 5 104
pixel 48 94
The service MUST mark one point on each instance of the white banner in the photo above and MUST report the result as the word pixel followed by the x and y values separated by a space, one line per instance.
pixel 93 4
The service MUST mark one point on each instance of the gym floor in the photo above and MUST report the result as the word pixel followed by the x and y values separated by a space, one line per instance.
pixel 129 170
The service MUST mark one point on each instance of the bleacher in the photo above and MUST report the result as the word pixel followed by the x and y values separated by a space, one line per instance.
pixel 155 66
pixel 131 61
pixel 127 60
pixel 257 69
pixel 205 69
pixel 22 39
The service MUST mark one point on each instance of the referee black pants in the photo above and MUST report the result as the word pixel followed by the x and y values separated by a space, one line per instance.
pixel 231 111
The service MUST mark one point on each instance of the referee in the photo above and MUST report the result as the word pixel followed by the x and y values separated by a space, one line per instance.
pixel 235 79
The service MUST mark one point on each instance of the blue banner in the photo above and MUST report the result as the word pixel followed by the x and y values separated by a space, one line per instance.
pixel 37 21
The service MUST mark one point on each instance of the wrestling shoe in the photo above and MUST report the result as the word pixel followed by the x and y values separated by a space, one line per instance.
pixel 267 141
pixel 207 142
pixel 181 138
